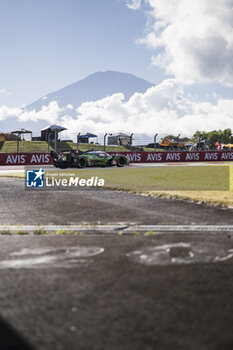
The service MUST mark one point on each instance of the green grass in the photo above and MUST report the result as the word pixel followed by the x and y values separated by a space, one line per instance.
pixel 175 178
pixel 42 146
pixel 196 183
pixel 32 146
pixel 85 147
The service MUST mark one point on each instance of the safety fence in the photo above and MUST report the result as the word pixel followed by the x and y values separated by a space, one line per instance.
pixel 66 140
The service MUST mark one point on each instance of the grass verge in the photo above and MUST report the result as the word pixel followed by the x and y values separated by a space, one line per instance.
pixel 42 146
pixel 211 184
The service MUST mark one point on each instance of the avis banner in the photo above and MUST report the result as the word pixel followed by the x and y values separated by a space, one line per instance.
pixel 179 157
pixel 25 159
pixel 135 157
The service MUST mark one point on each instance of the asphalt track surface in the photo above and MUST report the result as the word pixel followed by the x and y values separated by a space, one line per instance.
pixel 77 205
pixel 107 291
pixel 97 296
pixel 11 169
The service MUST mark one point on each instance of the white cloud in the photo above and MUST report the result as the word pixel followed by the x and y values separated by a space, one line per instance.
pixel 4 92
pixel 193 40
pixel 69 106
pixel 134 4
pixel 164 108
pixel 6 112
pixel 50 113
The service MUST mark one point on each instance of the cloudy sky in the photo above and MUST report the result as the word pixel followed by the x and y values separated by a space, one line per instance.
pixel 184 47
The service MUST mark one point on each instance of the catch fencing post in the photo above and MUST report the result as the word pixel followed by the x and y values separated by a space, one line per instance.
pixel 18 143
pixel 199 145
pixel 48 141
pixel 105 141
pixel 220 142
pixel 55 146
pixel 78 139
pixel 178 142
pixel 131 141
pixel 155 141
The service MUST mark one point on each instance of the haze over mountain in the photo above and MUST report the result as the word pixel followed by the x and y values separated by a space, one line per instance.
pixel 65 101
pixel 95 87
pixel 101 103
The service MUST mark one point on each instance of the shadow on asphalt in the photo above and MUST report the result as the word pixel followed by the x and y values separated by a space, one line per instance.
pixel 10 339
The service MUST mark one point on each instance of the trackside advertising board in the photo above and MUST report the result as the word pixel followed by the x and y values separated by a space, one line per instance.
pixel 135 157
pixel 160 157
pixel 25 159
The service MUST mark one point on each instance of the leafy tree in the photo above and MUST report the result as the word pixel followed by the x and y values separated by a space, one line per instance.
pixel 227 136
pixel 216 135
pixel 202 135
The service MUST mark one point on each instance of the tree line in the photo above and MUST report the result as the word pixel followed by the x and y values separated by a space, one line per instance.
pixel 224 136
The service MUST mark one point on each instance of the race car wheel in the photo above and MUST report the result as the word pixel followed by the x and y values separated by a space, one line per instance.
pixel 121 162
pixel 82 163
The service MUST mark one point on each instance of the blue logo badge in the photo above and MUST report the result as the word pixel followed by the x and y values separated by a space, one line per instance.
pixel 35 178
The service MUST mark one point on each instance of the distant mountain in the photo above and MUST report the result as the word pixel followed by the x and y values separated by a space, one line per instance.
pixel 96 86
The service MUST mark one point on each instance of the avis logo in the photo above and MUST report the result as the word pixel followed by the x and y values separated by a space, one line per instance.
pixel 35 178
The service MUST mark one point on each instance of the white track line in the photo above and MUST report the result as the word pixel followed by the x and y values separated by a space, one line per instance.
pixel 116 228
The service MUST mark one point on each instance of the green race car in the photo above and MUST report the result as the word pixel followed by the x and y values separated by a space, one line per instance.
pixel 89 158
